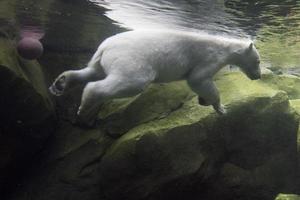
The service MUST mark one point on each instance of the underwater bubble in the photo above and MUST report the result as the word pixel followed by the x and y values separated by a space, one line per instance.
pixel 30 48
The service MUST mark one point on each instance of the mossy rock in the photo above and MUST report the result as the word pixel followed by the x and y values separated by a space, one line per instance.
pixel 269 81
pixel 27 113
pixel 23 87
pixel 288 83
pixel 296 105
pixel 172 148
pixel 159 100
pixel 67 167
pixel 287 197
pixel 120 115
pixel 192 143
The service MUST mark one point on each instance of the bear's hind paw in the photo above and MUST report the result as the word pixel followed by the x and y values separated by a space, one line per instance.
pixel 220 109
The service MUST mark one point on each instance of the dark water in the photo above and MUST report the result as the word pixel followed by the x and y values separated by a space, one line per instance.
pixel 75 27
pixel 70 30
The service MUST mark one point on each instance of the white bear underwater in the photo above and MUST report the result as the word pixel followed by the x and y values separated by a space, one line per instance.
pixel 126 63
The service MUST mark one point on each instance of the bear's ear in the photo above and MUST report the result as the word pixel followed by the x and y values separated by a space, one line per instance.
pixel 251 46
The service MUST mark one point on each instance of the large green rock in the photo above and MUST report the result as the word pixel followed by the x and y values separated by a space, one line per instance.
pixel 68 166
pixel 296 105
pixel 287 197
pixel 288 83
pixel 248 153
pixel 169 147
pixel 25 98
pixel 119 116
pixel 26 117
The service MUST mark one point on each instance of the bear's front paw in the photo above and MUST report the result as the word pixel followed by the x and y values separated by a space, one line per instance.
pixel 202 101
pixel 79 111
pixel 220 109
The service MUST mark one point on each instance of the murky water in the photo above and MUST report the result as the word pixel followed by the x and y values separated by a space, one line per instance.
pixel 70 30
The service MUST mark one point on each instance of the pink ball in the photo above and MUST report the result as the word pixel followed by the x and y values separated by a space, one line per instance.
pixel 30 48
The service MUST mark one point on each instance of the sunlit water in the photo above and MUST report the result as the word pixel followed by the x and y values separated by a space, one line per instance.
pixel 273 25
pixel 188 15
pixel 75 25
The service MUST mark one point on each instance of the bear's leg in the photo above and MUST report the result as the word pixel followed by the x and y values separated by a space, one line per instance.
pixel 113 86
pixel 88 74
pixel 207 92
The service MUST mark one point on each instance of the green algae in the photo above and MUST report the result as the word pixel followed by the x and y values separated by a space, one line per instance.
pixel 235 89
pixel 287 197
pixel 157 102
pixel 288 83
pixel 29 71
pixel 27 113
pixel 167 101
pixel 178 144
pixel 296 105
pixel 235 85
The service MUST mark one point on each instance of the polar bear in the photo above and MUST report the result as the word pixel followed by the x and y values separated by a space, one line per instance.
pixel 126 63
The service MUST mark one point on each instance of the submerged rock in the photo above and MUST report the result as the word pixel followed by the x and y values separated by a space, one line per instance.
pixel 249 153
pixel 26 117
pixel 288 83
pixel 296 105
pixel 287 197
pixel 169 147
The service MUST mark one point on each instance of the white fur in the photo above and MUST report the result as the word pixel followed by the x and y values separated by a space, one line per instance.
pixel 130 61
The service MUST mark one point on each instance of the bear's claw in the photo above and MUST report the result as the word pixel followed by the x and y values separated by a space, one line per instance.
pixel 79 111
pixel 220 109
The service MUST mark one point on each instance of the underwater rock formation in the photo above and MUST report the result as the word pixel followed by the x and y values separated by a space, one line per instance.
pixel 158 145
pixel 249 153
pixel 26 117
pixel 287 197
pixel 296 105
pixel 166 146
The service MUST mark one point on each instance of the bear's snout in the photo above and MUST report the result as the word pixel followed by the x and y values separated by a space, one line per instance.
pixel 256 76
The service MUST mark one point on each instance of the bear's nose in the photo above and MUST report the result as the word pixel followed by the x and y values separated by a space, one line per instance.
pixel 256 77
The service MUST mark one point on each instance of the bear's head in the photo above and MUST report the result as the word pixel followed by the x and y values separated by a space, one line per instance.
pixel 248 60
pixel 62 83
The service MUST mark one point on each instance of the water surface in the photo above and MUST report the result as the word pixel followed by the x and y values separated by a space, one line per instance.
pixel 273 25
pixel 72 28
